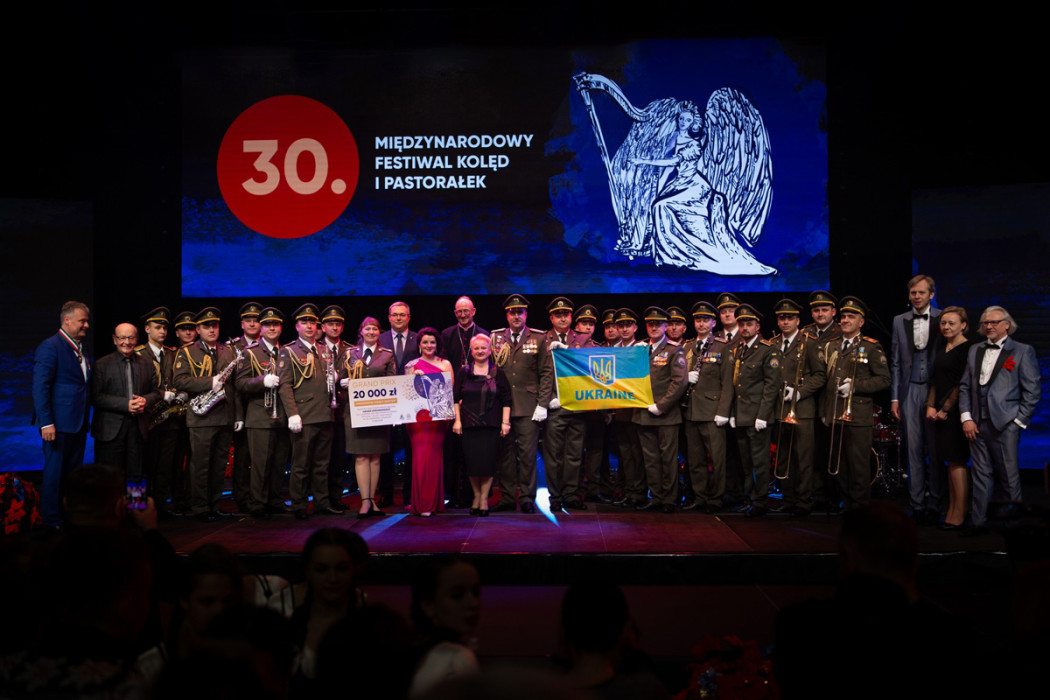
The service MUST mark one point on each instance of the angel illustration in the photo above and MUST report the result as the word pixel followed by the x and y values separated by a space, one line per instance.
pixel 688 189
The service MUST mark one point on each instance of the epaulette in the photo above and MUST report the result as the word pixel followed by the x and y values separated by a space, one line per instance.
pixel 720 340
pixel 186 345
pixel 778 338
pixel 231 341
pixel 870 340
pixel 249 347
pixel 809 335
pixel 767 343
pixel 676 343
pixel 139 348
pixel 498 330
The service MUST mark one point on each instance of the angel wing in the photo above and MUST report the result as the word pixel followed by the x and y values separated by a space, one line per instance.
pixel 737 161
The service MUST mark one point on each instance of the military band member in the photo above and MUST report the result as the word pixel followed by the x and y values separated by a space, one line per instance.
pixel 676 325
pixel 707 409
pixel 822 309
pixel 609 329
pixel 563 434
pixel 198 368
pixel 333 320
pixel 306 392
pixel 521 352
pixel 266 423
pixel 756 389
pixel 802 374
pixel 250 333
pixel 857 370
pixel 610 486
pixel 658 423
pixel 165 424
pixel 185 333
pixel 362 361
pixel 595 475
pixel 736 496
pixel 632 464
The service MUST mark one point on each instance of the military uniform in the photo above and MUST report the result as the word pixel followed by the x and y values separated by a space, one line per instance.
pixel 632 463
pixel 824 485
pixel 266 427
pixel 212 433
pixel 710 396
pixel 756 389
pixel 865 362
pixel 162 441
pixel 522 362
pixel 658 434
pixel 800 364
pixel 304 392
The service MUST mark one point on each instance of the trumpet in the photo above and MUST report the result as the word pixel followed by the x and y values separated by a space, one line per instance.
pixel 270 396
pixel 202 403
pixel 331 380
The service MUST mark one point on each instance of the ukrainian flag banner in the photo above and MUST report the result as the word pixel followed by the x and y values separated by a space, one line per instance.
pixel 595 378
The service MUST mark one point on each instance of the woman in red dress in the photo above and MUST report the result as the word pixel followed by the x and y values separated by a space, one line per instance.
pixel 428 435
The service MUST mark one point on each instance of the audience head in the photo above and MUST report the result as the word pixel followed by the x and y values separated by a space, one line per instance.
pixel 446 598
pixel 211 582
pixel 94 496
pixel 333 559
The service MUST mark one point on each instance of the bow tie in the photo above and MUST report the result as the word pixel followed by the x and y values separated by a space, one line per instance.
pixel 918 316
pixel 993 346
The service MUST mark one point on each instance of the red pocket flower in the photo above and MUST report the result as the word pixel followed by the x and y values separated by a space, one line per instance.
pixel 1009 364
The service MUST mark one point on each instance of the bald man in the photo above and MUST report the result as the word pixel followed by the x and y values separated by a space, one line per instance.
pixel 123 389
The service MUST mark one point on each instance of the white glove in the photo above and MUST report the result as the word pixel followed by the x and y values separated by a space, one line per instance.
pixel 789 391
pixel 216 383
pixel 555 403
pixel 844 387
pixel 694 376
pixel 721 421
pixel 824 421
pixel 238 426
pixel 540 414
pixel 732 421
pixel 653 409
pixel 760 425
pixel 271 380
pixel 169 396
pixel 182 396
pixel 344 382
pixel 295 424
pixel 557 345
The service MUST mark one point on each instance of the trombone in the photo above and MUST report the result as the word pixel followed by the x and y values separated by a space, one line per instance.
pixel 857 355
pixel 791 418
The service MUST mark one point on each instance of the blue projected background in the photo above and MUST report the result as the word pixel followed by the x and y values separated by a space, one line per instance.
pixel 530 209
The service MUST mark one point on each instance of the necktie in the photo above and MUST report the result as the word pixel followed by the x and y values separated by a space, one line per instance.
pixel 368 356
pixel 786 343
pixel 399 347
pixel 561 337
pixel 127 377
pixel 845 346
pixel 515 339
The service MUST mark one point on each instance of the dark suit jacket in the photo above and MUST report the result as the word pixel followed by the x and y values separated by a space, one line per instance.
pixel 110 398
pixel 902 349
pixel 756 382
pixel 60 392
pixel 455 352
pixel 386 340
pixel 1014 387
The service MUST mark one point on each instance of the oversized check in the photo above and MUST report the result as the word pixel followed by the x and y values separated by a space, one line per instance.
pixel 404 398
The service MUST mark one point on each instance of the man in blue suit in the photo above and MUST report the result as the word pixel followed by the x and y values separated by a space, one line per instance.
pixel 911 364
pixel 61 376
pixel 997 398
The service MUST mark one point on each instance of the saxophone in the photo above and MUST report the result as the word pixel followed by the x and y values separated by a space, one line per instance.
pixel 163 411
pixel 203 403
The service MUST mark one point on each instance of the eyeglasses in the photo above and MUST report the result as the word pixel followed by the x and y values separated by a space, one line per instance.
pixel 125 337
pixel 993 323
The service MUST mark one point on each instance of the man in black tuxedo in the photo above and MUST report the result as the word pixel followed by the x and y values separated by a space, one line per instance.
pixel 405 347
pixel 123 390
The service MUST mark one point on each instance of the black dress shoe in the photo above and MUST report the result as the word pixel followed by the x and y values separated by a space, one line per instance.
pixel 205 517
pixel 278 510
pixel 329 510
pixel 556 506
pixel 949 526
pixel 756 512
pixel 712 509
pixel 224 514
pixel 475 511
pixel 799 512
pixel 646 505
pixel 604 499
pixel 483 512
pixel 741 508
pixel 667 508
pixel 691 505
pixel 301 515
pixel 528 508
pixel 260 514
pixel 576 504
pixel 338 505
pixel 506 508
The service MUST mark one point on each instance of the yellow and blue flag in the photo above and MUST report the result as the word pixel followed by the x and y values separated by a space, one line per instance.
pixel 596 378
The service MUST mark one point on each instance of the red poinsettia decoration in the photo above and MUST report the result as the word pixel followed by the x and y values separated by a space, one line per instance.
pixel 1009 364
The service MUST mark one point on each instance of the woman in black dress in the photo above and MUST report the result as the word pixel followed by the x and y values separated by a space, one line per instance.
pixel 942 408
pixel 482 395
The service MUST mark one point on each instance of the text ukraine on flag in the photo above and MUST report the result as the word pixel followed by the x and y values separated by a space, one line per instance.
pixel 594 378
